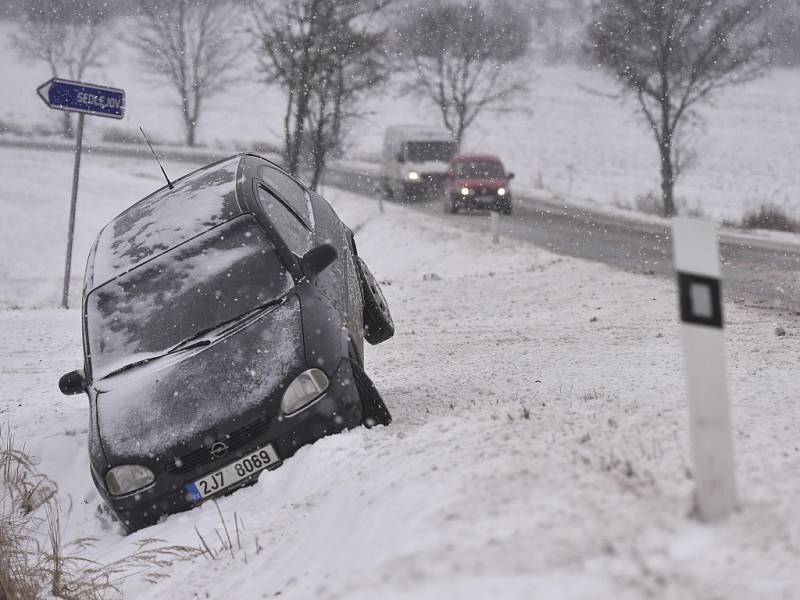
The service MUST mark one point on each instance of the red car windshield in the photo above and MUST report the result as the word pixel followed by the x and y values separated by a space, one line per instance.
pixel 480 169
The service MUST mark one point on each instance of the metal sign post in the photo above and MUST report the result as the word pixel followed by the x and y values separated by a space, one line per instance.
pixel 85 99
pixel 696 255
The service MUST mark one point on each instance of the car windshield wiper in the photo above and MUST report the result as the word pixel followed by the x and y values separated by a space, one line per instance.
pixel 193 340
pixel 130 366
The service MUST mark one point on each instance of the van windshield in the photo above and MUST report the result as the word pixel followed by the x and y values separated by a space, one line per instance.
pixel 213 278
pixel 429 151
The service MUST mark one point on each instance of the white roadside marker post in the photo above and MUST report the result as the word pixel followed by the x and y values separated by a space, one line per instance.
pixel 494 223
pixel 697 266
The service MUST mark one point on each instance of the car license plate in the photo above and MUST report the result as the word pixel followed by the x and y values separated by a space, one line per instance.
pixel 231 474
pixel 486 199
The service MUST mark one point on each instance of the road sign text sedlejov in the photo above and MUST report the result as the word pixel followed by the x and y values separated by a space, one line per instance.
pixel 87 98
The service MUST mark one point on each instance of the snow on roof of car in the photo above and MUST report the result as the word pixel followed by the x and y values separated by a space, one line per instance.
pixel 163 220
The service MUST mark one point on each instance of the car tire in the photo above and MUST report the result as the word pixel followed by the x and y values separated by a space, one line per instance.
pixel 505 208
pixel 373 408
pixel 378 323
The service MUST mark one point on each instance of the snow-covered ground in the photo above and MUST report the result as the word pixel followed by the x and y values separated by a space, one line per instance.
pixel 579 144
pixel 539 448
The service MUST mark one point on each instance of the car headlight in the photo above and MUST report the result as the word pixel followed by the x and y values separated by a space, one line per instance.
pixel 465 191
pixel 306 387
pixel 413 176
pixel 501 191
pixel 128 478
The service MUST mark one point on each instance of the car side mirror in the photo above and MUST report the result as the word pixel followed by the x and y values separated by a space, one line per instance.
pixel 316 260
pixel 510 175
pixel 451 174
pixel 72 383
pixel 400 158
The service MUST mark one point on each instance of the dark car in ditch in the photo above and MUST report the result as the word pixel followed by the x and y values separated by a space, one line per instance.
pixel 224 318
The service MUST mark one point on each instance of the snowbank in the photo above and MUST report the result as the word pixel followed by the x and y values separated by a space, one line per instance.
pixel 539 445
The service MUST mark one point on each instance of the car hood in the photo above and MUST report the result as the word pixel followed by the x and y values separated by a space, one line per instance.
pixel 149 409
pixel 489 184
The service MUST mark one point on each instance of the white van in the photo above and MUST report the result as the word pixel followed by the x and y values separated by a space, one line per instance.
pixel 415 160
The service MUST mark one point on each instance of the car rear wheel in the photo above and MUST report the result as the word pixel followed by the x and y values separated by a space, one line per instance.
pixel 378 323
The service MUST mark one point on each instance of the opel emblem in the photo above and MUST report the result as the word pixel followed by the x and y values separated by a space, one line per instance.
pixel 219 449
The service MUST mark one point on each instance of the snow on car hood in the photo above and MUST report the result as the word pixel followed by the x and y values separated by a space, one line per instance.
pixel 151 408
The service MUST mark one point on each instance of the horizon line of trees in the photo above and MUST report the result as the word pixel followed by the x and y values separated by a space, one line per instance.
pixel 328 56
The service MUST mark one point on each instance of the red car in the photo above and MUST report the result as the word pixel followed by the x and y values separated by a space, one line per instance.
pixel 477 181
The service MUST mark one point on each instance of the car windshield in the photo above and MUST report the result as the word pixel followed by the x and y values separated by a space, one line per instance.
pixel 429 151
pixel 484 169
pixel 211 279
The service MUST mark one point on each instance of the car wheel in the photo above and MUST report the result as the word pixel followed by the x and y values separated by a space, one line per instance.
pixel 373 408
pixel 454 206
pixel 378 323
pixel 506 207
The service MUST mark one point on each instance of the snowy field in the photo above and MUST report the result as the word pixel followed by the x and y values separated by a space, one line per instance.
pixel 578 144
pixel 539 448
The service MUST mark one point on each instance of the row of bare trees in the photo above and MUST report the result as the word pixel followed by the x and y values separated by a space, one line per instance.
pixel 329 55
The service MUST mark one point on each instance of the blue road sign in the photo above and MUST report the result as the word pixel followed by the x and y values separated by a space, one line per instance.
pixel 85 98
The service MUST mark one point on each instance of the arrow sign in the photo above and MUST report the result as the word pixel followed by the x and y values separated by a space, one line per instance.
pixel 87 98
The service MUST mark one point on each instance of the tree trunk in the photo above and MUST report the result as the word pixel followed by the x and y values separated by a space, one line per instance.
pixel 667 177
pixel 665 149
pixel 190 133
pixel 66 125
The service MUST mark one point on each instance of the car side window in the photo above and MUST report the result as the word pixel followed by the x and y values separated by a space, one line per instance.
pixel 297 236
pixel 288 190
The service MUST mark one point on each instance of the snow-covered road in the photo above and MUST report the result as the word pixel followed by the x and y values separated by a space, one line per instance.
pixel 539 448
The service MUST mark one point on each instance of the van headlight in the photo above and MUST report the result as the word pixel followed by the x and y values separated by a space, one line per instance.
pixel 465 191
pixel 413 176
pixel 125 479
pixel 306 387
pixel 501 191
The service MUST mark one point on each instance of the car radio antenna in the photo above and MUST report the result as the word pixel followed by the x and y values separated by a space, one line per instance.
pixel 169 183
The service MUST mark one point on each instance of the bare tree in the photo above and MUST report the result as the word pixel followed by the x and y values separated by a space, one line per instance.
pixel 458 53
pixel 355 65
pixel 672 54
pixel 71 37
pixel 325 54
pixel 190 44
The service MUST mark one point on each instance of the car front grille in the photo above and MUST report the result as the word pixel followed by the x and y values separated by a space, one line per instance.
pixel 234 440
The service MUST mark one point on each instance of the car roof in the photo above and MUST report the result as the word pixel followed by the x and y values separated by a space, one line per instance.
pixel 475 157
pixel 166 218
